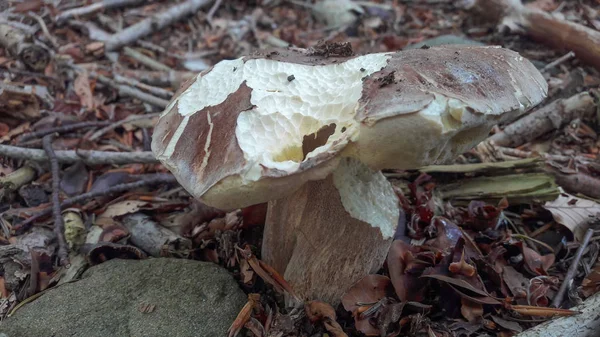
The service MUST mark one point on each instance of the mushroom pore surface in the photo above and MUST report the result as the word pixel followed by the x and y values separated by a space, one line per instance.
pixel 257 128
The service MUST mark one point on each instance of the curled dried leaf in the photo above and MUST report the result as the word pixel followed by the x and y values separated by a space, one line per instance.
pixel 462 267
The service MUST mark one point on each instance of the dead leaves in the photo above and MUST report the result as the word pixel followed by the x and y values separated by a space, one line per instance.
pixel 573 213
pixel 363 296
pixel 591 284
pixel 83 89
pixel 244 315
pixel 267 273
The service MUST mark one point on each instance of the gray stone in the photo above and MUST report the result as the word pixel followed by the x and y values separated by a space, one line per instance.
pixel 445 39
pixel 191 299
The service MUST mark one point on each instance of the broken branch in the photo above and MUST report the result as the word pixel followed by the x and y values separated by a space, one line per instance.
pixel 556 302
pixel 89 157
pixel 544 27
pixel 93 8
pixel 545 119
pixel 59 225
pixel 154 23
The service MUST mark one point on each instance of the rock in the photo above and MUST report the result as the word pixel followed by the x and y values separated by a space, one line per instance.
pixel 445 39
pixel 191 298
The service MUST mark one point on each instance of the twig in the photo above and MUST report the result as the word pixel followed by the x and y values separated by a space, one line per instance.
pixel 45 30
pixel 213 10
pixel 545 119
pixel 59 225
pixel 89 157
pixel 62 129
pixel 163 93
pixel 145 60
pixel 572 269
pixel 132 92
pixel 105 4
pixel 171 79
pixel 578 183
pixel 558 61
pixel 159 178
pixel 154 23
pixel 544 27
pixel 115 125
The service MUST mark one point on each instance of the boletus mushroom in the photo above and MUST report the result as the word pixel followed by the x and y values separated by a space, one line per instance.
pixel 309 131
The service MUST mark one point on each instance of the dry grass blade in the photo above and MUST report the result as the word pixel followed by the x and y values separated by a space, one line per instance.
pixel 531 310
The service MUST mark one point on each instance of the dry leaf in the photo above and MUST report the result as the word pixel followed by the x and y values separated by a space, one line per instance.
pixel 462 267
pixel 471 311
pixel 591 284
pixel 365 293
pixel 536 263
pixel 83 90
pixel 123 207
pixel 369 290
pixel 573 213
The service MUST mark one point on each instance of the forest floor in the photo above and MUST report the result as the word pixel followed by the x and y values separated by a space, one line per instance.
pixel 82 87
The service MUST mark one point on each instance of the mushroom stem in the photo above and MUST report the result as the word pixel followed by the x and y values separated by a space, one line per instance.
pixel 316 244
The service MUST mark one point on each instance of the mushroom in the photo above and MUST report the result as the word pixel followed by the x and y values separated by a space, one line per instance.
pixel 310 130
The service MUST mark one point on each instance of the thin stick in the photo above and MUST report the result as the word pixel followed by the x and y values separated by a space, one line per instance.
pixel 45 30
pixel 156 91
pixel 59 225
pixel 213 10
pixel 61 129
pixel 96 7
pixel 89 157
pixel 558 61
pixel 146 60
pixel 159 178
pixel 154 23
pixel 556 302
pixel 132 92
pixel 115 125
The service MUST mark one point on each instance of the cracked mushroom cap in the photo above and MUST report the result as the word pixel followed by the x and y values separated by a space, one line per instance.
pixel 256 128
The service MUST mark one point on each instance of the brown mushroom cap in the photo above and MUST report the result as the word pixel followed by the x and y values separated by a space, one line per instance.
pixel 256 128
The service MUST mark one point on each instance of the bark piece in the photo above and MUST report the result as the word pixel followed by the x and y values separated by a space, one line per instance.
pixel 154 239
pixel 18 45
pixel 544 27
pixel 89 157
pixel 317 246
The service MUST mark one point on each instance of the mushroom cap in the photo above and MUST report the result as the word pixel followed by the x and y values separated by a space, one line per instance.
pixel 256 128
